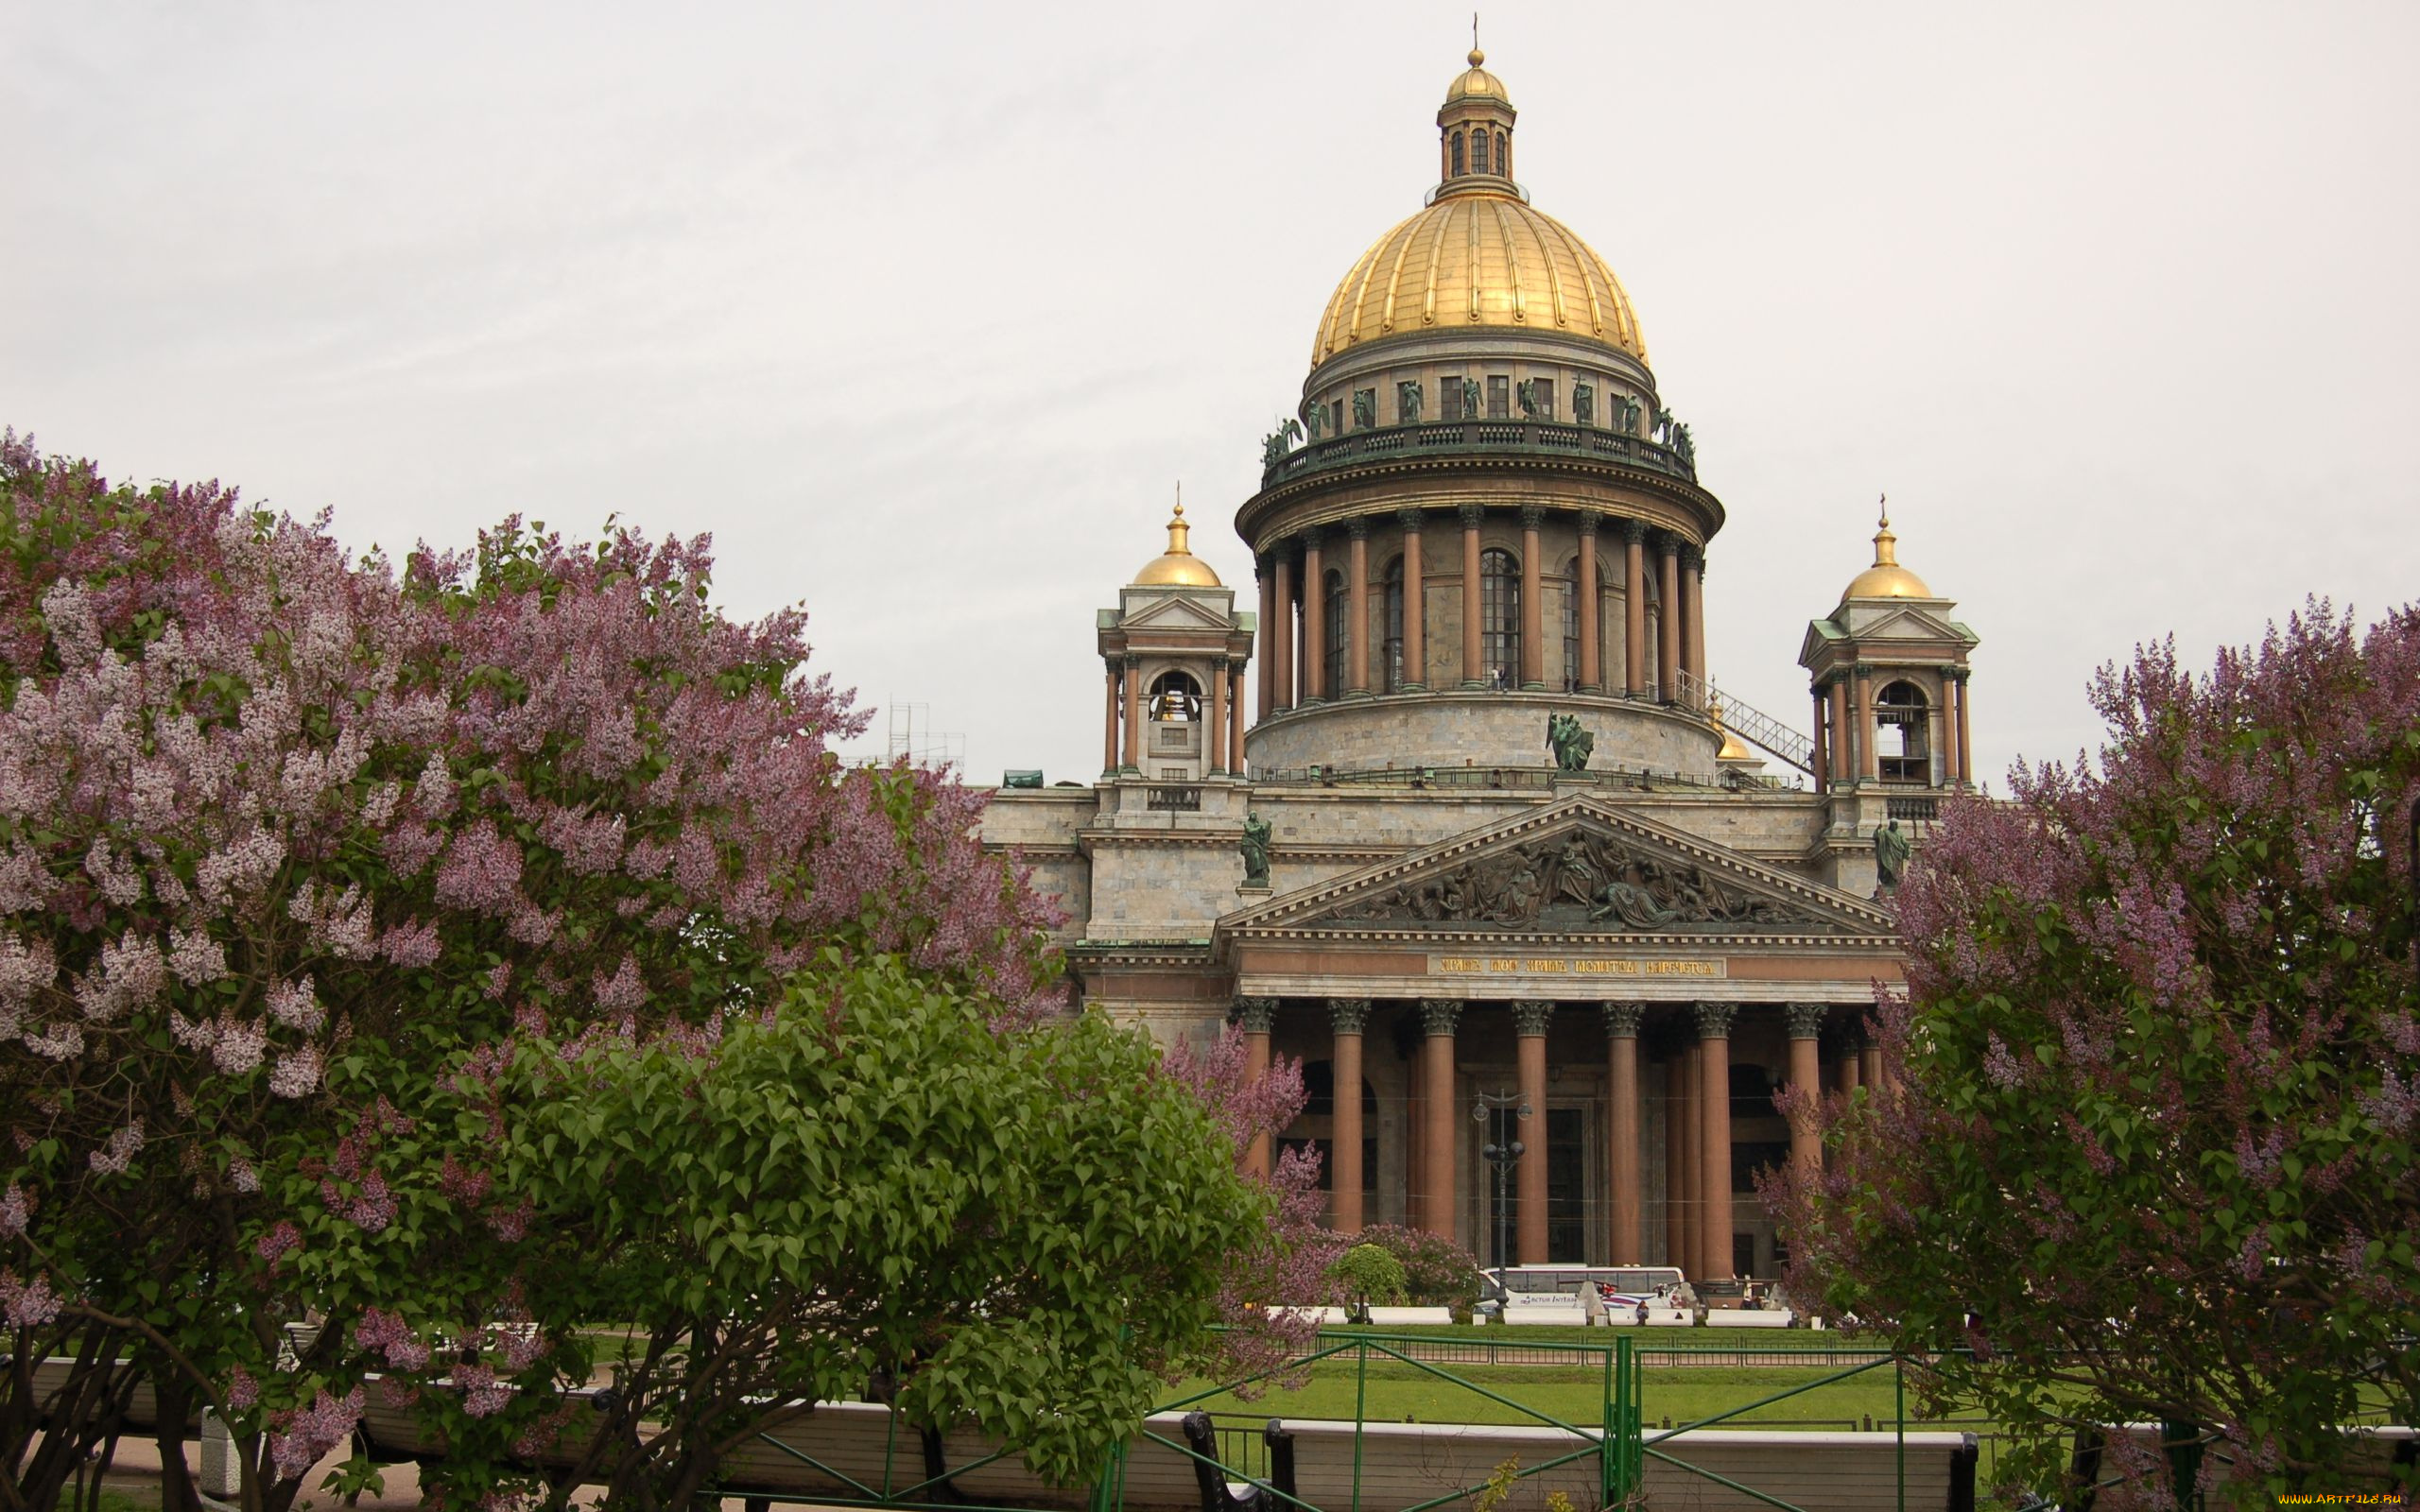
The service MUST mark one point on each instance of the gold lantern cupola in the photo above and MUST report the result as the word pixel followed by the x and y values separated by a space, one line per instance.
pixel 1475 132
pixel 1886 579
pixel 1177 567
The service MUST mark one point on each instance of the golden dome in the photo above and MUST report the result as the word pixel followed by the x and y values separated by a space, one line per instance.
pixel 1177 567
pixel 1477 82
pixel 1886 579
pixel 1732 751
pixel 1478 256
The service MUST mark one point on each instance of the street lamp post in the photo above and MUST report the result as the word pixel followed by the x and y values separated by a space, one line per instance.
pixel 1501 1152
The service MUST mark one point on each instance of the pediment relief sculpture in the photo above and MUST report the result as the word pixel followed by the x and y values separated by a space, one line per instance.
pixel 1580 881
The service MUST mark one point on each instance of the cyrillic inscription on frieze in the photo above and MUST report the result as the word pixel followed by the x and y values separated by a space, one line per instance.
pixel 1571 965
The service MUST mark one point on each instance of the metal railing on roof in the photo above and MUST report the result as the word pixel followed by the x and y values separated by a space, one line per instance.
pixel 1432 437
pixel 1517 779
pixel 1749 723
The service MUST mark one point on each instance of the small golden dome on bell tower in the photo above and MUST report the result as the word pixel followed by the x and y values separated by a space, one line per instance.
pixel 1886 579
pixel 1177 567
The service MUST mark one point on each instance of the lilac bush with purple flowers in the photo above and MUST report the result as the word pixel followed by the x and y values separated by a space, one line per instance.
pixel 2151 1152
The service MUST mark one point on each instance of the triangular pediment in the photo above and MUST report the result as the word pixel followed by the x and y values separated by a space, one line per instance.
pixel 1909 622
pixel 1174 612
pixel 1581 866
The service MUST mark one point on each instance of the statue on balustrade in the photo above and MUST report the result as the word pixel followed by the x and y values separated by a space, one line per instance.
pixel 1684 447
pixel 1470 399
pixel 1319 422
pixel 1255 849
pixel 1583 403
pixel 1527 393
pixel 1407 398
pixel 1633 412
pixel 1890 850
pixel 1277 443
pixel 1570 741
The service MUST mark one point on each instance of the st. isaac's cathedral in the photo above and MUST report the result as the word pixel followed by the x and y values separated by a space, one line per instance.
pixel 1488 851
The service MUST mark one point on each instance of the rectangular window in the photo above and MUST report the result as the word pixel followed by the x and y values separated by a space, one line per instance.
pixel 1449 397
pixel 1336 418
pixel 1499 396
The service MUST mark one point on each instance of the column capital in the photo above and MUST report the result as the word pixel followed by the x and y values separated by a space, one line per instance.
pixel 1308 537
pixel 1257 1015
pixel 1589 519
pixel 1959 674
pixel 1634 531
pixel 1864 669
pixel 1115 662
pixel 1807 1020
pixel 1133 660
pixel 1357 528
pixel 1472 514
pixel 1532 516
pixel 1263 564
pixel 1714 1019
pixel 1349 1015
pixel 1408 518
pixel 1691 555
pixel 1531 1016
pixel 1623 1019
pixel 1439 1016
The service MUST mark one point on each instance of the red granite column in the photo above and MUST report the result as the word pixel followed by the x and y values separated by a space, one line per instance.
pixel 1849 1073
pixel 1109 723
pixel 1676 1148
pixel 1257 1016
pixel 1356 608
pixel 1134 714
pixel 1267 571
pixel 1284 643
pixel 1438 1016
pixel 1668 637
pixel 1714 1046
pixel 1635 609
pixel 1844 738
pixel 1530 1021
pixel 1965 735
pixel 1349 1016
pixel 1315 688
pixel 1869 766
pixel 1821 760
pixel 1415 603
pixel 1534 619
pixel 1214 729
pixel 1692 1157
pixel 1591 670
pixel 1236 723
pixel 1693 602
pixel 1474 674
pixel 1622 1203
pixel 1806 1076
pixel 1869 1064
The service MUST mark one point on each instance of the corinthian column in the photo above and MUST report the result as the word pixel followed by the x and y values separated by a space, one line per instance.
pixel 1214 729
pixel 1589 674
pixel 1621 1133
pixel 1357 612
pixel 1474 674
pixel 1534 636
pixel 1315 688
pixel 1529 1021
pixel 1713 1093
pixel 1667 629
pixel 1257 1016
pixel 1635 607
pixel 1348 1016
pixel 1805 1076
pixel 1415 603
pixel 1438 1016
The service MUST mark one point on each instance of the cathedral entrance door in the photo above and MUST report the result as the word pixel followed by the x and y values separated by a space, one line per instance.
pixel 1567 1187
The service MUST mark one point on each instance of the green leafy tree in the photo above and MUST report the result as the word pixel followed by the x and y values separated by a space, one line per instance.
pixel 1370 1276
pixel 1022 1230
pixel 1437 1272
pixel 2146 1147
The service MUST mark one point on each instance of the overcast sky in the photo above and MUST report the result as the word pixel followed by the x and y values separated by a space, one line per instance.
pixel 922 310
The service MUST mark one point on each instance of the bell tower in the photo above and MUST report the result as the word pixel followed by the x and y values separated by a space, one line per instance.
pixel 1174 650
pixel 1889 680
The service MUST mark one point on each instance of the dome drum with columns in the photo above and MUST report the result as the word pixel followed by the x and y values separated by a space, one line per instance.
pixel 1366 855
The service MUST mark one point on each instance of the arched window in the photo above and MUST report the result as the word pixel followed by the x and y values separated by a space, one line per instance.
pixel 1458 154
pixel 1571 592
pixel 1479 152
pixel 1394 670
pixel 1503 155
pixel 1175 699
pixel 1900 726
pixel 1500 618
pixel 1338 624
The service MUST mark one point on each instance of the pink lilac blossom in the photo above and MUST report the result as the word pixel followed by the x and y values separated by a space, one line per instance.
pixel 28 1304
pixel 116 1156
pixel 306 1436
pixel 297 1072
